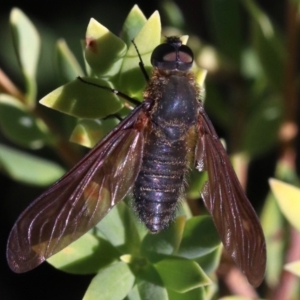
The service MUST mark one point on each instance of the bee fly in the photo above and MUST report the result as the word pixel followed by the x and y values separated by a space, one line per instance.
pixel 149 152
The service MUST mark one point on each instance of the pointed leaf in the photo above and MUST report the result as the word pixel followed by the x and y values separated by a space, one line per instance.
pixel 132 25
pixel 200 237
pixel 68 66
pixel 104 50
pixel 288 198
pixel 211 261
pixel 133 81
pixel 293 267
pixel 82 100
pixel 181 275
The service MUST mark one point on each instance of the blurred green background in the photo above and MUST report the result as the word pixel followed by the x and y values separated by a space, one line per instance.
pixel 250 49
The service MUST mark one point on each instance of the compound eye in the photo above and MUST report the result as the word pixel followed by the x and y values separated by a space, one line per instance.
pixel 185 54
pixel 170 57
pixel 163 52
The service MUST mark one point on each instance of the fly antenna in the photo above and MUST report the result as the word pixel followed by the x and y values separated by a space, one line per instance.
pixel 141 63
pixel 116 92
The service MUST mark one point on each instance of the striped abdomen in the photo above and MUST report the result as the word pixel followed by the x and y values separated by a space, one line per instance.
pixel 173 116
pixel 160 182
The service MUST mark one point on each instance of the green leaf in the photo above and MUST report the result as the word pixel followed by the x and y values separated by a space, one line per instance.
pixel 134 294
pixel 226 28
pixel 196 182
pixel 67 64
pixel 27 168
pixel 89 132
pixel 181 275
pixel 184 210
pixel 119 227
pixel 211 261
pixel 288 199
pixel 268 44
pixel 273 226
pixel 27 45
pixel 83 100
pixel 207 238
pixel 238 298
pixel 111 283
pixel 20 125
pixel 149 291
pixel 165 242
pixel 195 294
pixel 87 255
pixel 293 267
pixel 132 25
pixel 132 81
pixel 104 50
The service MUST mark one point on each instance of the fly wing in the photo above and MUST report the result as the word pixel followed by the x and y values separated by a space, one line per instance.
pixel 80 199
pixel 232 213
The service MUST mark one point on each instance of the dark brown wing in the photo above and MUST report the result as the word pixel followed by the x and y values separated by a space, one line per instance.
pixel 233 215
pixel 80 199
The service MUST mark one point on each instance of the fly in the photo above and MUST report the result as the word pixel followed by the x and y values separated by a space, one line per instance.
pixel 150 153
